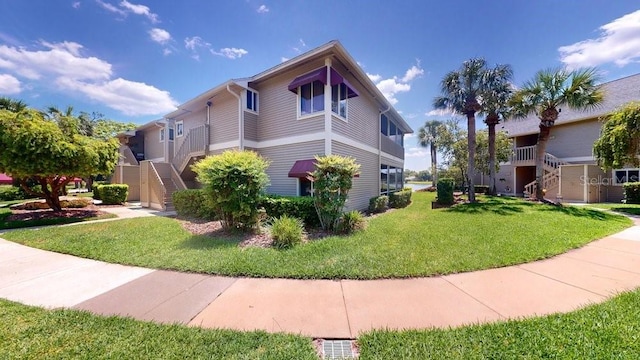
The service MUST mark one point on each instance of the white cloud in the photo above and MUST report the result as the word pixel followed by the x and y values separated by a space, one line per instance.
pixel 230 53
pixel 160 36
pixel 140 10
pixel 75 4
pixel 374 77
pixel 9 85
pixel 63 66
pixel 283 59
pixel 412 73
pixel 130 97
pixel 196 42
pixel 437 112
pixel 166 52
pixel 418 152
pixel 302 46
pixel 111 8
pixel 619 42
pixel 263 9
pixel 409 136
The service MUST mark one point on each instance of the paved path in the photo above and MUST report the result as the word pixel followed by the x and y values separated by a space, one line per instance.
pixel 323 308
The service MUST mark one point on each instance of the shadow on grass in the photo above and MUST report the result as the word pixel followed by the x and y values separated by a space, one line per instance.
pixel 627 210
pixel 496 205
pixel 205 242
pixel 580 212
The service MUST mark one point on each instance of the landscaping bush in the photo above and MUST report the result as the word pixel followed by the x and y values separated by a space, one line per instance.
pixel 300 207
pixel 234 182
pixel 400 199
pixel 193 203
pixel 378 204
pixel 114 194
pixel 96 191
pixel 10 193
pixel 351 222
pixel 481 189
pixel 632 193
pixel 286 232
pixel 65 204
pixel 333 179
pixel 445 191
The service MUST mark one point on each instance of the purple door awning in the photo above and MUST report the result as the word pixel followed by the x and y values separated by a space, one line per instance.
pixel 303 169
pixel 321 75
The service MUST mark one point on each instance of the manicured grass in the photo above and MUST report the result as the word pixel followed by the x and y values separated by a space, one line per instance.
pixel 420 182
pixel 606 331
pixel 633 209
pixel 415 241
pixel 6 204
pixel 34 333
pixel 18 224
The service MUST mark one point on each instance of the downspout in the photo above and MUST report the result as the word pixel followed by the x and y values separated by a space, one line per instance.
pixel 240 118
pixel 163 124
pixel 207 127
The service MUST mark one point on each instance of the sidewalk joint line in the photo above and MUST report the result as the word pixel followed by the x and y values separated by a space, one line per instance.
pixel 344 302
pixel 562 282
pixel 608 266
pixel 474 298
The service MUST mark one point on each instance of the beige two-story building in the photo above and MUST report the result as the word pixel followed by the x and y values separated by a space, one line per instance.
pixel 318 103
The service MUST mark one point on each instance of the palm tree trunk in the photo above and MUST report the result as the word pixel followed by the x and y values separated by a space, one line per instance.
pixel 434 165
pixel 492 158
pixel 541 149
pixel 471 166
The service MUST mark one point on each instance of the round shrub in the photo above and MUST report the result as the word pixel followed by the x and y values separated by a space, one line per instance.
pixel 445 191
pixel 378 204
pixel 351 222
pixel 193 203
pixel 114 194
pixel 400 199
pixel 286 232
pixel 300 207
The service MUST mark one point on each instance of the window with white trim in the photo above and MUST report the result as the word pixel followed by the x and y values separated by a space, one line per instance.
pixel 179 128
pixel 171 133
pixel 252 100
pixel 311 98
pixel 621 176
pixel 339 95
pixel 162 135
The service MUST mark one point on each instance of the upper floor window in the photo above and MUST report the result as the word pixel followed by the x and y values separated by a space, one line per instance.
pixel 339 93
pixel 391 130
pixel 179 128
pixel 252 100
pixel 311 98
pixel 622 176
pixel 310 89
pixel 162 134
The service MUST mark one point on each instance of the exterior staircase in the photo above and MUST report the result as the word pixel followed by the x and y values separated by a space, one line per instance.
pixel 527 156
pixel 194 144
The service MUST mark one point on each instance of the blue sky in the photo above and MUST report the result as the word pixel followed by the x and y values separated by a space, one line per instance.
pixel 135 60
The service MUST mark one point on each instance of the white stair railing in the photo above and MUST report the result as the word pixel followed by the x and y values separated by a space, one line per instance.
pixel 194 142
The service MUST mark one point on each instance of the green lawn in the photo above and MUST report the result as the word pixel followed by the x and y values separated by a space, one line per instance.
pixel 633 209
pixel 415 241
pixel 605 331
pixel 610 330
pixel 34 333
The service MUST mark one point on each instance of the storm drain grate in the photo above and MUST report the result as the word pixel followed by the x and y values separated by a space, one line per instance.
pixel 337 349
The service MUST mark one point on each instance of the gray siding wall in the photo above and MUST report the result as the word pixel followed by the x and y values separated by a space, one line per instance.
pixel 250 126
pixel 391 148
pixel 282 159
pixel 153 148
pixel 190 121
pixel 224 119
pixel 575 139
pixel 279 107
pixel 366 185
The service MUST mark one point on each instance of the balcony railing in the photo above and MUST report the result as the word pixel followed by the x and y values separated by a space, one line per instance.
pixel 195 142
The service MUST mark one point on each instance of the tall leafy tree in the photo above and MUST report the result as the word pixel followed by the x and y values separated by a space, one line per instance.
pixel 544 96
pixel 428 137
pixel 51 152
pixel 12 105
pixel 460 92
pixel 495 105
pixel 619 142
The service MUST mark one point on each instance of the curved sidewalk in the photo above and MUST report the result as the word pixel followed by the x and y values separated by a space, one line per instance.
pixel 323 308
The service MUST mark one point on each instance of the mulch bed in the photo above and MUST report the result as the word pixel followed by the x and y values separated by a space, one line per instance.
pixel 76 213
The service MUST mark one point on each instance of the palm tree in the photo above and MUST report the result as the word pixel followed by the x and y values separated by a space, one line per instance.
pixel 495 105
pixel 461 90
pixel 12 105
pixel 428 136
pixel 544 94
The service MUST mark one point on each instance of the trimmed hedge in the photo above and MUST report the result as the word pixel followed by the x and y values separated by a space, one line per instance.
pixel 300 207
pixel 378 204
pixel 481 189
pixel 114 194
pixel 95 188
pixel 9 193
pixel 632 193
pixel 193 203
pixel 445 191
pixel 400 199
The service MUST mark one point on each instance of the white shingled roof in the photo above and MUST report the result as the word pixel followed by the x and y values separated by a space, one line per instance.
pixel 616 93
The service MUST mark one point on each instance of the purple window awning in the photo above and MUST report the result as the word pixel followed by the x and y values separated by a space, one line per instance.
pixel 303 169
pixel 321 75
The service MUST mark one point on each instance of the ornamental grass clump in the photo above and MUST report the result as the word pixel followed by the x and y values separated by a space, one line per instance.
pixel 332 181
pixel 351 222
pixel 234 181
pixel 286 232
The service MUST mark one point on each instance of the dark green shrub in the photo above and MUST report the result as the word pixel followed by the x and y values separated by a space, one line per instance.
pixel 351 222
pixel 193 203
pixel 378 204
pixel 234 182
pixel 333 179
pixel 300 207
pixel 632 193
pixel 113 194
pixel 9 193
pixel 96 190
pixel 286 232
pixel 400 199
pixel 445 191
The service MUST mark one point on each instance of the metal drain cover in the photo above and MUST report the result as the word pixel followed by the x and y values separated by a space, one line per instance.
pixel 337 349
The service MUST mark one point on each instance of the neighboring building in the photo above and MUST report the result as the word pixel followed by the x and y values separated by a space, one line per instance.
pixel 318 103
pixel 5 179
pixel 571 172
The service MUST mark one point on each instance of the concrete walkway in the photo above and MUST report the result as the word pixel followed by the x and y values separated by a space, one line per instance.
pixel 323 308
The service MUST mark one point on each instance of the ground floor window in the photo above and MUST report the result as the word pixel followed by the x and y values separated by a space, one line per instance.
pixel 622 176
pixel 390 179
pixel 305 187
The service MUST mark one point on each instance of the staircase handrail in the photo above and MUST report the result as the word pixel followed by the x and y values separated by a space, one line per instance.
pixel 194 141
pixel 156 184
